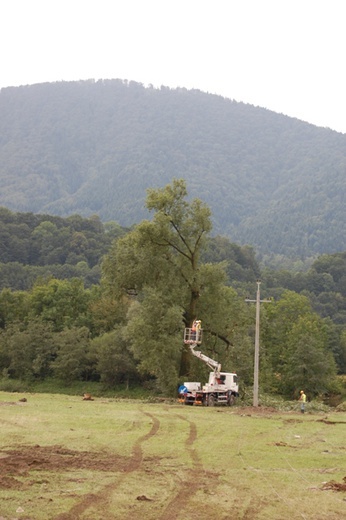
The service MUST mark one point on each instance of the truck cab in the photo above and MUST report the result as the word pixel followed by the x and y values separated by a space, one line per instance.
pixel 221 381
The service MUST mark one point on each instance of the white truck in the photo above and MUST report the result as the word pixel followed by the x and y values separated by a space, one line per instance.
pixel 222 387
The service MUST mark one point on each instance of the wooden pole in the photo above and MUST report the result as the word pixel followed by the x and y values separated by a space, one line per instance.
pixel 257 345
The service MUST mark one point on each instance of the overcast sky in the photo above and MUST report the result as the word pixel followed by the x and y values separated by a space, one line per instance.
pixel 284 55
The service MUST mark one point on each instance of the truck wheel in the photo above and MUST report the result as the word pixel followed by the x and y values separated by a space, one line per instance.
pixel 211 400
pixel 231 400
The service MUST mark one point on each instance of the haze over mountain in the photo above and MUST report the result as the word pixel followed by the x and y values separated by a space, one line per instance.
pixel 89 147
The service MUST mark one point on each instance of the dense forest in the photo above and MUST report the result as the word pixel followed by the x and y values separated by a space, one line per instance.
pixel 35 246
pixel 83 300
pixel 95 147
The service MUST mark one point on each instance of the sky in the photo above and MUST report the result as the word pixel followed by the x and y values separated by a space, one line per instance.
pixel 284 55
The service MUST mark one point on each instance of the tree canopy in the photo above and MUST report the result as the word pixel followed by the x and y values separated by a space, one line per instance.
pixel 159 262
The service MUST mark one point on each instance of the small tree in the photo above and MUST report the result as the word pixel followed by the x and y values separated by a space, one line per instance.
pixel 309 365
pixel 296 342
pixel 63 303
pixel 27 350
pixel 154 333
pixel 113 361
pixel 72 361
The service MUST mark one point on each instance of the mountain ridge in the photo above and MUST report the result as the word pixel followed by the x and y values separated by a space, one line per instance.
pixel 94 147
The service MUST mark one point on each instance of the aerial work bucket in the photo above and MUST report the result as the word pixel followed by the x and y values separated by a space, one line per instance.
pixel 193 336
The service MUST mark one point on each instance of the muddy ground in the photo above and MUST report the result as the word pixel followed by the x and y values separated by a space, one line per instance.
pixel 21 461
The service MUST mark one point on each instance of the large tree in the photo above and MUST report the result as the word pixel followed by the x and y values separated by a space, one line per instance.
pixel 165 252
pixel 159 265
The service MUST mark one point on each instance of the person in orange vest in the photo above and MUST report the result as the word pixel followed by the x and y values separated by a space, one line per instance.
pixel 194 330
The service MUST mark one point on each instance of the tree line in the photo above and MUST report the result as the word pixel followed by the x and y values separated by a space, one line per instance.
pixel 155 279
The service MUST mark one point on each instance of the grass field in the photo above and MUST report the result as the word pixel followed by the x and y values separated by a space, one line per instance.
pixel 62 458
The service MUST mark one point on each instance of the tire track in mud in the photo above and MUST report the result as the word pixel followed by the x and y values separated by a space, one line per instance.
pixel 191 485
pixel 101 498
pixel 137 452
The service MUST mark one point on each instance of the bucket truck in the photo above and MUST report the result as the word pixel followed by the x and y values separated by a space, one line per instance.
pixel 222 387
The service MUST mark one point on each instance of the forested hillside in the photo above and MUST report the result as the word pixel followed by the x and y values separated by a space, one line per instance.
pixel 57 321
pixel 88 147
pixel 41 246
pixel 38 245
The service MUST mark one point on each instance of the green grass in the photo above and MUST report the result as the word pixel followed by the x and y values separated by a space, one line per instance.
pixel 55 386
pixel 63 458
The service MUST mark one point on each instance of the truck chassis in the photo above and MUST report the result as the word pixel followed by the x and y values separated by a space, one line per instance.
pixel 200 398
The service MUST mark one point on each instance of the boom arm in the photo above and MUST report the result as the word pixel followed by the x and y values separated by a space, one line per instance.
pixel 210 362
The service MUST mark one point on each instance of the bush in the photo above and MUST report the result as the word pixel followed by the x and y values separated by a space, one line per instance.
pixel 341 407
pixel 14 385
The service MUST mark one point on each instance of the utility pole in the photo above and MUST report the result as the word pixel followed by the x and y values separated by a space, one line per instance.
pixel 258 301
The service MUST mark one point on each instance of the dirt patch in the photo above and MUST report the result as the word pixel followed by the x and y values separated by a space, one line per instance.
pixel 284 444
pixel 292 421
pixel 327 421
pixel 21 461
pixel 10 483
pixel 335 486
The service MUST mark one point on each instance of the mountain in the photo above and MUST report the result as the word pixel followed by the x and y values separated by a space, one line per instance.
pixel 94 147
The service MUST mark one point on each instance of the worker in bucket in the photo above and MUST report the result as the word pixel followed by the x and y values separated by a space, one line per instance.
pixel 193 330
pixel 198 329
